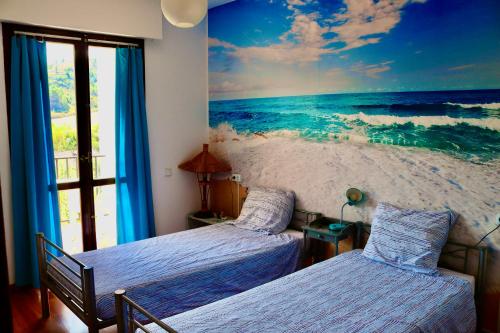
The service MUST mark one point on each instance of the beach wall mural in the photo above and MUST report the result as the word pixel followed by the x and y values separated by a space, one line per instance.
pixel 398 98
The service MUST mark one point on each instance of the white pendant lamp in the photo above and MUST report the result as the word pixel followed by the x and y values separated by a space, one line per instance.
pixel 184 13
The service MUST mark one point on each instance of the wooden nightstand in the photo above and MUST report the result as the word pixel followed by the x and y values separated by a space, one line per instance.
pixel 196 222
pixel 319 230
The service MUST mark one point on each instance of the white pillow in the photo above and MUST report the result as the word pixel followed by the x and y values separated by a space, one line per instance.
pixel 408 238
pixel 266 210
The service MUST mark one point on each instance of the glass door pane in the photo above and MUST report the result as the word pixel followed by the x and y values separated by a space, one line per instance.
pixel 105 215
pixel 61 71
pixel 71 222
pixel 62 93
pixel 102 107
pixel 102 116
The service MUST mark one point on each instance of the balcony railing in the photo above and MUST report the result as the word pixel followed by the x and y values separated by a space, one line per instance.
pixel 67 166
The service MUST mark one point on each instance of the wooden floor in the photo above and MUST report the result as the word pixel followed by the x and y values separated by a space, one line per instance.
pixel 26 313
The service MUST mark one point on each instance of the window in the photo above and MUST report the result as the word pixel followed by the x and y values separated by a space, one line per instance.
pixel 81 72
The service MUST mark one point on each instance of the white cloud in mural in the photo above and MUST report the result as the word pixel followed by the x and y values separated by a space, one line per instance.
pixel 260 81
pixel 303 43
pixel 230 83
pixel 461 68
pixel 306 31
pixel 292 3
pixel 373 70
pixel 226 86
pixel 360 23
pixel 363 18
pixel 214 42
pixel 333 72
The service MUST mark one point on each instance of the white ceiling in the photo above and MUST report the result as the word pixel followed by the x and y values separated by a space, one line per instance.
pixel 215 3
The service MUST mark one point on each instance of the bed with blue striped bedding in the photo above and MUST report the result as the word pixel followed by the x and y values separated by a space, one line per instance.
pixel 348 293
pixel 190 268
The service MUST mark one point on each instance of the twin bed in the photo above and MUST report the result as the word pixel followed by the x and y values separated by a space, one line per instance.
pixel 190 268
pixel 348 293
pixel 235 277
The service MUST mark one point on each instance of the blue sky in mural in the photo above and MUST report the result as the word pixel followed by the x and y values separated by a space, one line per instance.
pixel 262 48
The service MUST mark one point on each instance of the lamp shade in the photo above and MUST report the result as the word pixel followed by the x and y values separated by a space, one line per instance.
pixel 354 196
pixel 205 162
pixel 184 13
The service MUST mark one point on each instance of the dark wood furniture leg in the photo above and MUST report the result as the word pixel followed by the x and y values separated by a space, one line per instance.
pixel 44 299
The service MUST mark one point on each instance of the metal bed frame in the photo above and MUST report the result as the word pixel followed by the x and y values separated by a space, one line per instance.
pixel 84 305
pixel 125 307
pixel 126 320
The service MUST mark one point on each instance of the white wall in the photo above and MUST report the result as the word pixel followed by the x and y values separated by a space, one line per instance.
pixel 137 18
pixel 5 167
pixel 176 96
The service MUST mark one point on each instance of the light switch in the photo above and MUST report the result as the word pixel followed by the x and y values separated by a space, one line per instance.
pixel 168 172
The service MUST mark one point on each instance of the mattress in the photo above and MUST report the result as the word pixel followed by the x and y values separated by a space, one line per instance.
pixel 348 293
pixel 297 235
pixel 466 277
pixel 190 268
pixel 294 233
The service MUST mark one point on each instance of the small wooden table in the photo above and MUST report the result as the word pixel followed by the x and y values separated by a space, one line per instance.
pixel 318 229
pixel 197 222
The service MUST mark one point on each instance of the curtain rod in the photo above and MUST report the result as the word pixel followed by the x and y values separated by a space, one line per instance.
pixel 34 34
pixel 111 42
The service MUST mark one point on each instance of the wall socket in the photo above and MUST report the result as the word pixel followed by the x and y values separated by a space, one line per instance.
pixel 236 177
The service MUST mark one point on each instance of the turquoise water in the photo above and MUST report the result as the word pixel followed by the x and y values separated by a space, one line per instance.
pixel 458 123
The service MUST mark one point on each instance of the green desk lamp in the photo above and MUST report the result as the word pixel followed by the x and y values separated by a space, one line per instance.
pixel 354 197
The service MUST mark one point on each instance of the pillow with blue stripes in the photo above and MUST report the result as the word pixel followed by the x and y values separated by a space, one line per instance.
pixel 407 238
pixel 266 210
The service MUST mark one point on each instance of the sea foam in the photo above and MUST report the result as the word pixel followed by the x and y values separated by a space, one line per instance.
pixel 488 106
pixel 426 121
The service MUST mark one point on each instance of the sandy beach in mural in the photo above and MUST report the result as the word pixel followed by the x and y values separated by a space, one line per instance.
pixel 319 96
pixel 408 177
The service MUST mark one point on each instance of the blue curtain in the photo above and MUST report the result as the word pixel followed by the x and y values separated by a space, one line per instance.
pixel 135 218
pixel 34 186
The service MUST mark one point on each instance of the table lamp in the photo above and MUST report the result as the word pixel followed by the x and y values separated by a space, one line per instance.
pixel 354 197
pixel 204 164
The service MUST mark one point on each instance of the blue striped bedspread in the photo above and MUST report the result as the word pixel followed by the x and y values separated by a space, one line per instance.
pixel 349 293
pixel 178 272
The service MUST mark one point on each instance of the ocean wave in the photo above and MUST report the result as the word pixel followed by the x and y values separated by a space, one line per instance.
pixel 426 121
pixel 411 107
pixel 487 106
pixel 462 140
pixel 431 107
pixel 458 139
pixel 226 132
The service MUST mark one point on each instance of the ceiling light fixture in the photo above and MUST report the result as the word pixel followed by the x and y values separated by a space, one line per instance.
pixel 184 13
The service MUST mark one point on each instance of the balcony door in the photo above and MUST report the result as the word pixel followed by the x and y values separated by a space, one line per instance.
pixel 81 72
pixel 83 139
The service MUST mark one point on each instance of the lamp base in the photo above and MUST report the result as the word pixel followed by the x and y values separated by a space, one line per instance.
pixel 204 214
pixel 336 226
